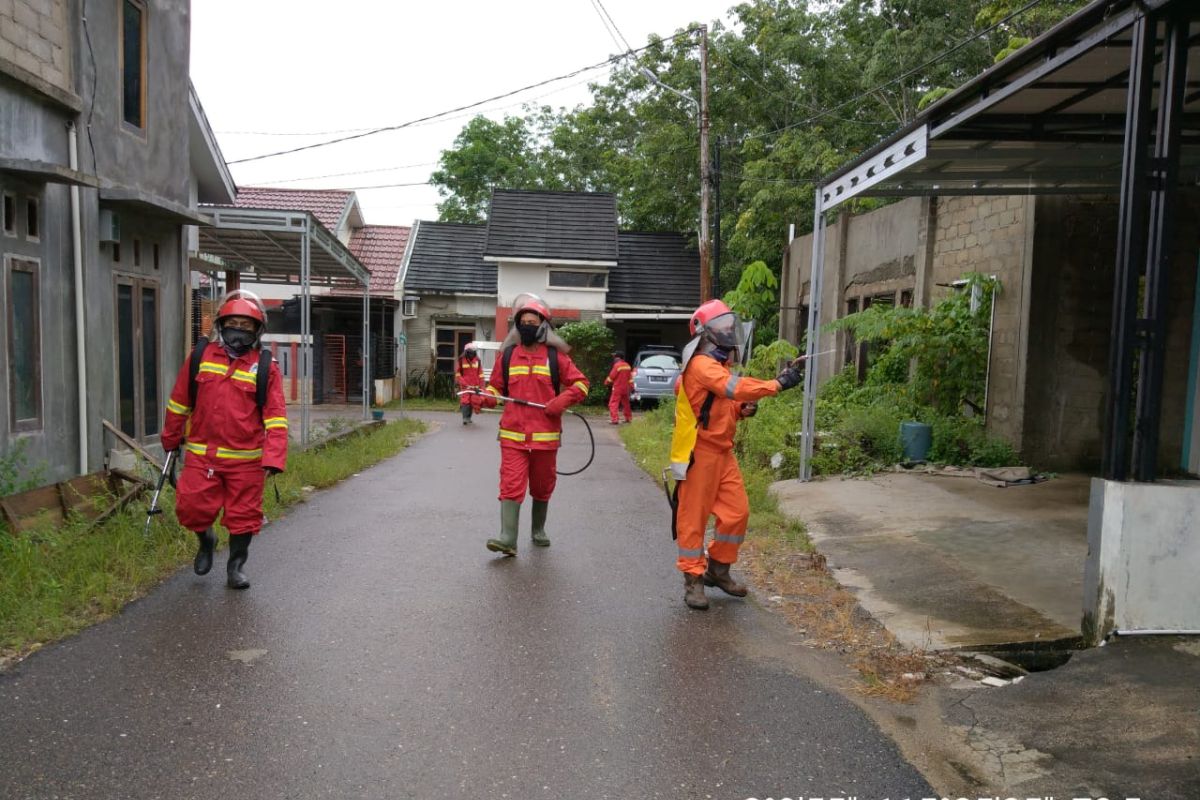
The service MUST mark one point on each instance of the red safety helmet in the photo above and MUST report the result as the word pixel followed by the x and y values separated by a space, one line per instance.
pixel 241 303
pixel 530 302
pixel 705 314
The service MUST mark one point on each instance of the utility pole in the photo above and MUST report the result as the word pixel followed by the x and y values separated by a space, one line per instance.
pixel 716 258
pixel 705 255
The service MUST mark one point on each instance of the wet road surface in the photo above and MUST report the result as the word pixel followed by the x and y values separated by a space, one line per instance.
pixel 382 652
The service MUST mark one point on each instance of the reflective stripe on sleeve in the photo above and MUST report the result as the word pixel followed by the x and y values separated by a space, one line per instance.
pixel 581 386
pixel 731 385
pixel 177 408
pixel 275 422
pixel 492 390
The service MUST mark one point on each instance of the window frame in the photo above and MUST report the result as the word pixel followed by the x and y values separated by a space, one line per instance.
pixel 137 284
pixel 458 348
pixel 557 270
pixel 8 204
pixel 139 128
pixel 33 204
pixel 28 424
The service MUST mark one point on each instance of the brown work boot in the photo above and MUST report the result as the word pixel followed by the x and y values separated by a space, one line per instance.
pixel 718 575
pixel 693 592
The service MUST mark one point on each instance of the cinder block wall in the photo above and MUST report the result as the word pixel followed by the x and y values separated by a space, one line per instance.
pixel 991 235
pixel 35 38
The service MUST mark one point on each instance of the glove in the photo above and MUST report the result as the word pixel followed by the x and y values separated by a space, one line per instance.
pixel 272 471
pixel 747 410
pixel 789 377
pixel 558 405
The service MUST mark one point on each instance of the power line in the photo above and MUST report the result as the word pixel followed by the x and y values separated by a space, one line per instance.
pixel 356 172
pixel 600 5
pixel 373 131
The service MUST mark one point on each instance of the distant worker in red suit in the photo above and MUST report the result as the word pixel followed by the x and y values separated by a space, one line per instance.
pixel 619 379
pixel 468 375
pixel 227 412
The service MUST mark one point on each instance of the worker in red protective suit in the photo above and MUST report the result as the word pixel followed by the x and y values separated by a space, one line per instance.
pixel 710 400
pixel 533 366
pixel 468 375
pixel 234 431
pixel 618 378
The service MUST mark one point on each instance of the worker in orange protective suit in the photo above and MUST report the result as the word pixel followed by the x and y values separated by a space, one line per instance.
pixel 710 400
pixel 232 424
pixel 533 366
pixel 468 375
pixel 618 379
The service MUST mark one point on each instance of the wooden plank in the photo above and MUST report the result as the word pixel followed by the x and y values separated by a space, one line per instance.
pixel 33 509
pixel 133 445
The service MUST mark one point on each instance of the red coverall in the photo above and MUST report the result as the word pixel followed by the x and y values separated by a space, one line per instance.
pixel 618 379
pixel 714 481
pixel 468 373
pixel 529 437
pixel 229 441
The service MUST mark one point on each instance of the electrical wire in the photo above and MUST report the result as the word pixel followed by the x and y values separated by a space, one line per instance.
pixel 605 63
pixel 355 172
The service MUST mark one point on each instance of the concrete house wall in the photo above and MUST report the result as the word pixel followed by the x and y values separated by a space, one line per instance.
pixel 1055 260
pixel 42 92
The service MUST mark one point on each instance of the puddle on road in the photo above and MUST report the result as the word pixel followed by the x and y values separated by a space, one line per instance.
pixel 245 656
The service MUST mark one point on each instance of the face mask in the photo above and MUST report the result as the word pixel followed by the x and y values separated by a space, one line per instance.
pixel 529 333
pixel 237 341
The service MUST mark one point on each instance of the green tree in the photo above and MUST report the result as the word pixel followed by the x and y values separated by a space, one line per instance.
pixel 485 155
pixel 757 297
pixel 592 345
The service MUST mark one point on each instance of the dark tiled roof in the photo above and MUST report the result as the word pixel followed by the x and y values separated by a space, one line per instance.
pixel 327 205
pixel 572 226
pixel 655 269
pixel 380 248
pixel 448 257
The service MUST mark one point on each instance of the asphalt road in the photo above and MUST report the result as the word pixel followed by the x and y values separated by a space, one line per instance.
pixel 382 652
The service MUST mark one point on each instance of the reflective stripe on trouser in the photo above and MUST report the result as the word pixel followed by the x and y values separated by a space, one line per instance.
pixel 620 402
pixel 521 469
pixel 203 492
pixel 713 487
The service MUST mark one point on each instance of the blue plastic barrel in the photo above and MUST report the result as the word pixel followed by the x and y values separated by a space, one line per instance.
pixel 915 440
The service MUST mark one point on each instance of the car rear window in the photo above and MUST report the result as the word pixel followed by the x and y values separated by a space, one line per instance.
pixel 662 361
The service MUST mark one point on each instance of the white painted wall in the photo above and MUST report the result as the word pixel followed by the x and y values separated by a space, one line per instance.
pixel 514 278
pixel 1143 557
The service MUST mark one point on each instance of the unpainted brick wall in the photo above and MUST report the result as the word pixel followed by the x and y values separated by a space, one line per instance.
pixel 988 235
pixel 34 36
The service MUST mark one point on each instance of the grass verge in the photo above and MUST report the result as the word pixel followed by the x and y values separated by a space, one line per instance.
pixel 793 577
pixel 55 582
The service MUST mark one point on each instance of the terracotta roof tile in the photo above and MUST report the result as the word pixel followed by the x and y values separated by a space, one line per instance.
pixel 381 250
pixel 327 205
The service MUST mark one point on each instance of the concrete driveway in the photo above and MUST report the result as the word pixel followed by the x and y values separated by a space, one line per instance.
pixel 382 652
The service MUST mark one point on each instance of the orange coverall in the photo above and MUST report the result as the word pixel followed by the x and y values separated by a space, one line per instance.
pixel 529 437
pixel 227 438
pixel 618 379
pixel 714 482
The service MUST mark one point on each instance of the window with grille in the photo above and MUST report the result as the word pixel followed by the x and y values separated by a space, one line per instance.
pixel 24 344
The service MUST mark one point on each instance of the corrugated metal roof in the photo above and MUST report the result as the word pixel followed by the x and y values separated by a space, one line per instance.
pixel 554 226
pixel 327 205
pixel 661 269
pixel 447 257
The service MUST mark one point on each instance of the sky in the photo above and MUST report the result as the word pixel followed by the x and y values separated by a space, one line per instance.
pixel 305 71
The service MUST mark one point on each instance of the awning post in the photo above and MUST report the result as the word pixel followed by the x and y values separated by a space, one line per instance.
pixel 366 352
pixel 306 371
pixel 816 271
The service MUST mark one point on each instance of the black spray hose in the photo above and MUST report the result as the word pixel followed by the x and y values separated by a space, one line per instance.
pixel 583 419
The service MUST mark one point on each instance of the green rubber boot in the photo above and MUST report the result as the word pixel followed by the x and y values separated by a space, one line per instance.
pixel 510 516
pixel 540 508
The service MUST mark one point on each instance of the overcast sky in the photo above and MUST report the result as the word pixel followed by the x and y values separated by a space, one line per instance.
pixel 326 69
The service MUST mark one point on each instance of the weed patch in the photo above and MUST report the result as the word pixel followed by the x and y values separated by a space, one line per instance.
pixel 56 581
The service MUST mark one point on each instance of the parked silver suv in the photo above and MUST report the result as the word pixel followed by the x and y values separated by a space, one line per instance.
pixel 655 370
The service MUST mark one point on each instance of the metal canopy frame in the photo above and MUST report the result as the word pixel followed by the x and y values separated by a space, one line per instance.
pixel 1106 102
pixel 289 248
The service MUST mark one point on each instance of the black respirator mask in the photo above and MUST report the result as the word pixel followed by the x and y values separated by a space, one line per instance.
pixel 238 341
pixel 528 334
